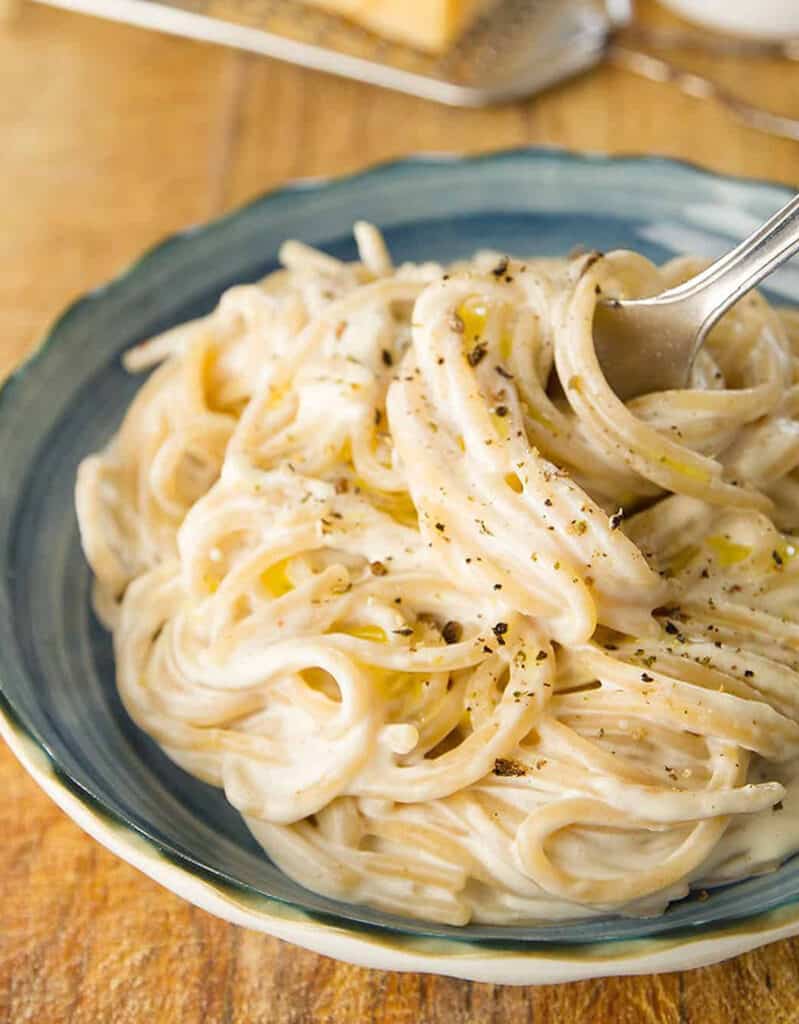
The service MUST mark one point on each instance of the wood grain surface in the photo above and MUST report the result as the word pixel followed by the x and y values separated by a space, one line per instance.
pixel 111 138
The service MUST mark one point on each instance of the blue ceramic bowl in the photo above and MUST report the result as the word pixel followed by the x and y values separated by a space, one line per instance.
pixel 60 710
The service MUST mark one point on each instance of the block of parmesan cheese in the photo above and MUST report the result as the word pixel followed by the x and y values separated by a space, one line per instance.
pixel 430 25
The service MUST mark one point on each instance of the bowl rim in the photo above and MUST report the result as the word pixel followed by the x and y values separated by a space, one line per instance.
pixel 507 961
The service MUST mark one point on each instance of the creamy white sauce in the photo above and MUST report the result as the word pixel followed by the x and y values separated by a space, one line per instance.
pixel 453 646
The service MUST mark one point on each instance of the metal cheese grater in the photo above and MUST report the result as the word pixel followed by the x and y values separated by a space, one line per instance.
pixel 516 50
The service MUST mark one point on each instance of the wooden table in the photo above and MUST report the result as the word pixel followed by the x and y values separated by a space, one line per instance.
pixel 111 138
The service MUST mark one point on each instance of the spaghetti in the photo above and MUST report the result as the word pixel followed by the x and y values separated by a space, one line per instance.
pixel 460 633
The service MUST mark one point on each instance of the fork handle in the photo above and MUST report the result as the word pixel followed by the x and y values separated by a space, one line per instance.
pixel 713 291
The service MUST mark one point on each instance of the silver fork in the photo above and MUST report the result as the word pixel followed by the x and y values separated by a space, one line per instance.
pixel 646 345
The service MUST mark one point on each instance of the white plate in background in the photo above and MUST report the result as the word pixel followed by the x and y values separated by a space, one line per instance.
pixel 764 19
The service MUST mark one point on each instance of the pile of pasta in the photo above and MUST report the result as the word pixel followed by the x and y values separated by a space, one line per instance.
pixel 460 633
